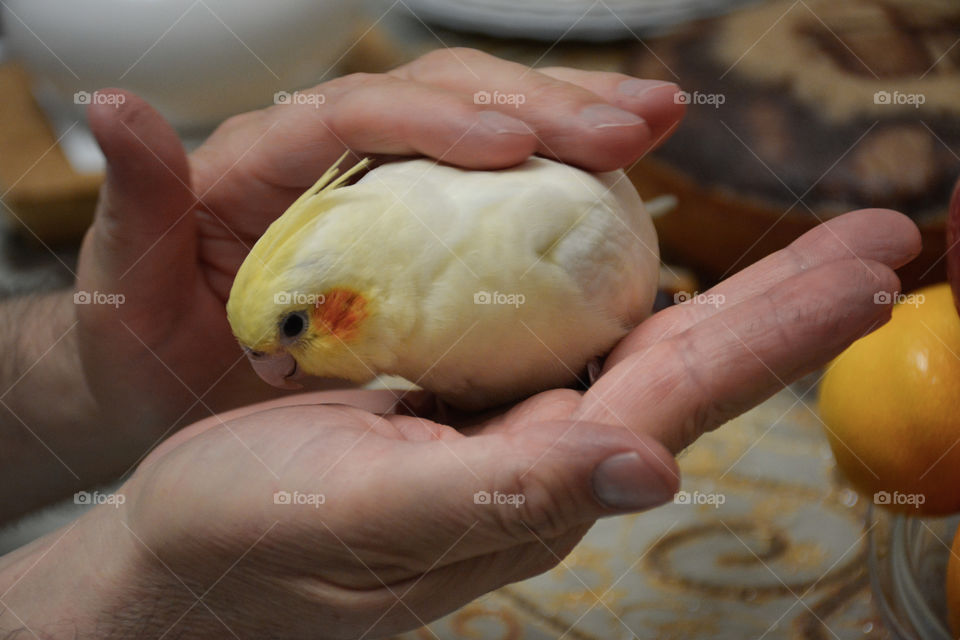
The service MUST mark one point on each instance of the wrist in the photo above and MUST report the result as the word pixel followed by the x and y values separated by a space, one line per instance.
pixel 47 407
pixel 96 580
pixel 82 581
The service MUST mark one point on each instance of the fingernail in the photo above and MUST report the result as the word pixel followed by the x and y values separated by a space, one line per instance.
pixel 604 115
pixel 626 482
pixel 636 87
pixel 502 123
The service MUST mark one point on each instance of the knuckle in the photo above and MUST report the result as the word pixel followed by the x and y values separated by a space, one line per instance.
pixel 539 506
pixel 344 85
pixel 542 515
pixel 240 121
pixel 556 92
pixel 555 70
pixel 458 53
pixel 439 59
pixel 356 79
pixel 707 411
pixel 791 321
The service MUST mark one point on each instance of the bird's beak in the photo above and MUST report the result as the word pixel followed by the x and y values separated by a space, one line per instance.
pixel 279 369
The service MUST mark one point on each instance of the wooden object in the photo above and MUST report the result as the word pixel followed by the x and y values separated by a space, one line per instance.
pixel 44 198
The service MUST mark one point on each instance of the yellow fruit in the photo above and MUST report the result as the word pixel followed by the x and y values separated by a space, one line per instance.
pixel 953 587
pixel 891 406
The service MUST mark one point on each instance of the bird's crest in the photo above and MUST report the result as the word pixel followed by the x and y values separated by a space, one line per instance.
pixel 307 207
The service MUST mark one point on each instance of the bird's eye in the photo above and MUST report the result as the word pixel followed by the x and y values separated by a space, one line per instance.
pixel 293 324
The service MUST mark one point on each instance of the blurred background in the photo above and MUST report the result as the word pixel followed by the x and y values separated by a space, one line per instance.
pixel 798 110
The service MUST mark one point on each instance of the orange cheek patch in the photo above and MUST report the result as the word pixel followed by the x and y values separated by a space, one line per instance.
pixel 340 312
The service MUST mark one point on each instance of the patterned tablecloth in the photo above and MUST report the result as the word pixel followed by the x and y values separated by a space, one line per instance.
pixel 764 541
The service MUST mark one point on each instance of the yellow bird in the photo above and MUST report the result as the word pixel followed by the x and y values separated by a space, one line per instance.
pixel 479 286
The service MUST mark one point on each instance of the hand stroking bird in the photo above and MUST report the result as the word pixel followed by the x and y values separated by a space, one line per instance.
pixel 479 286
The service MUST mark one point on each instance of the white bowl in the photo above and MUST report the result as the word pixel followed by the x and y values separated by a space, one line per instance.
pixel 197 61
pixel 553 20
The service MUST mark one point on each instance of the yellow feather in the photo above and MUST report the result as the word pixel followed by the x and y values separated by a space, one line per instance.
pixel 304 209
pixel 312 203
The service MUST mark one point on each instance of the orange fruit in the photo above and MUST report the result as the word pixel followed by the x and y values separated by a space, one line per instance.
pixel 891 407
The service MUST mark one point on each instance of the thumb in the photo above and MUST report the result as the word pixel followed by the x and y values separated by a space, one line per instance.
pixel 143 227
pixel 564 474
pixel 478 512
pixel 486 493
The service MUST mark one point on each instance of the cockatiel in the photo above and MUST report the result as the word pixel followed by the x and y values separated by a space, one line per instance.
pixel 479 286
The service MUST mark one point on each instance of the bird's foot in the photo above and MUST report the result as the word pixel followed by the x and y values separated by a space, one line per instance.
pixel 594 368
pixel 586 379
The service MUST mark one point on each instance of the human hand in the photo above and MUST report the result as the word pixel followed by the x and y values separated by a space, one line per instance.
pixel 398 539
pixel 171 231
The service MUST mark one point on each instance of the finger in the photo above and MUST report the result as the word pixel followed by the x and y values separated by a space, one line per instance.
pixel 424 120
pixel 473 496
pixel 885 236
pixel 372 115
pixel 572 124
pixel 693 382
pixel 653 100
pixel 142 223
